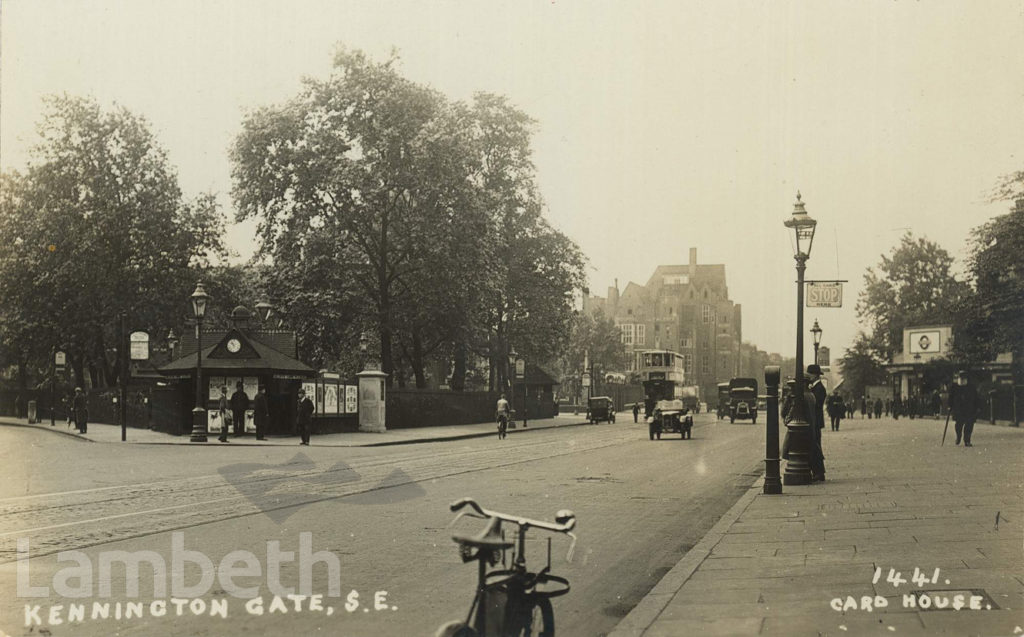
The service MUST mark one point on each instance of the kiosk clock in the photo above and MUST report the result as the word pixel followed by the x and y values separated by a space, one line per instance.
pixel 234 345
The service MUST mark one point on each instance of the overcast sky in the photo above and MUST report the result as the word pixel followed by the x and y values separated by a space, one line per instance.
pixel 662 125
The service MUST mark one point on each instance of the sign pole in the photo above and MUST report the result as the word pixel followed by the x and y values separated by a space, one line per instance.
pixel 53 387
pixel 123 346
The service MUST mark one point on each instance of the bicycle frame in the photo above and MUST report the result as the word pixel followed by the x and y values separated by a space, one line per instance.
pixel 506 599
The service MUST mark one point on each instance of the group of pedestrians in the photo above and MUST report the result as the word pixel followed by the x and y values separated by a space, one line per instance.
pixel 239 404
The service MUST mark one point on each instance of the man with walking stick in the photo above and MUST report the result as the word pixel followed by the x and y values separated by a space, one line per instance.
pixel 964 405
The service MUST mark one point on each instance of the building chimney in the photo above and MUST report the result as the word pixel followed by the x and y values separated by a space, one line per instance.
pixel 693 262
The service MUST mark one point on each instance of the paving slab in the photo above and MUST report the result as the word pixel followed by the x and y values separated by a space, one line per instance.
pixel 816 559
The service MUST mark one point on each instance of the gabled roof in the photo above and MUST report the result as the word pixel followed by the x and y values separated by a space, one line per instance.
pixel 254 356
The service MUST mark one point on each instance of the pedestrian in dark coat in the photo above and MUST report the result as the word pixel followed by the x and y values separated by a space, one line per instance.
pixel 636 412
pixel 878 408
pixel 261 413
pixel 964 404
pixel 888 406
pixel 897 407
pixel 80 406
pixel 817 423
pixel 836 410
pixel 304 416
pixel 223 406
pixel 239 405
pixel 863 406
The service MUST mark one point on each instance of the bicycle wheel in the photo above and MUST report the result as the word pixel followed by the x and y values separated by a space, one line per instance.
pixel 538 620
pixel 455 629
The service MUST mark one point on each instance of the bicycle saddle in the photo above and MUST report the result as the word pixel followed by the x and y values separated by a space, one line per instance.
pixel 488 539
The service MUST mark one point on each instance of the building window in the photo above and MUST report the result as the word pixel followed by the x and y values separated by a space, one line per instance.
pixel 629 311
pixel 685 341
pixel 724 319
pixel 707 314
pixel 627 333
pixel 640 336
pixel 688 363
pixel 705 365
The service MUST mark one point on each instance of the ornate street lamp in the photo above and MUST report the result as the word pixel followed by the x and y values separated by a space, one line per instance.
pixel 172 341
pixel 263 310
pixel 798 467
pixel 816 333
pixel 199 301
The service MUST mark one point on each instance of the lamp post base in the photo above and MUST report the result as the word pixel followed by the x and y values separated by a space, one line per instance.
pixel 198 425
pixel 798 465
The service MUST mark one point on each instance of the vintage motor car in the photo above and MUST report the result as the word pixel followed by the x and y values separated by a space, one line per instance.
pixel 743 399
pixel 600 409
pixel 670 416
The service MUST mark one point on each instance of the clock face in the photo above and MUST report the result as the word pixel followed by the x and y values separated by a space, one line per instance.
pixel 234 345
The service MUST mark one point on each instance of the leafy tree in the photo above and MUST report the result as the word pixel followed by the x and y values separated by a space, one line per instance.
pixel 96 226
pixel 383 204
pixel 913 286
pixel 362 175
pixel 991 320
pixel 861 366
pixel 598 337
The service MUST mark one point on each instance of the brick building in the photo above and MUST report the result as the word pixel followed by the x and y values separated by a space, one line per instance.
pixel 683 308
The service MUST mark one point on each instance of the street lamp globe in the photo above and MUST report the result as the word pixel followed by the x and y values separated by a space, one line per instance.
pixel 803 226
pixel 816 333
pixel 263 310
pixel 199 300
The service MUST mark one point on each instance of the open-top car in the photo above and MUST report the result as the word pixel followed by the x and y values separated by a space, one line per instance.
pixel 670 416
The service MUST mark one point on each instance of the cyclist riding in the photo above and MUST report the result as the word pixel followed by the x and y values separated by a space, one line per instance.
pixel 504 413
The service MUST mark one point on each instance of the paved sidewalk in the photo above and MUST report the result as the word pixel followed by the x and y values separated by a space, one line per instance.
pixel 809 561
pixel 100 432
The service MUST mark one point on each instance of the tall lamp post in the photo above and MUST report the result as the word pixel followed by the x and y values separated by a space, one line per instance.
pixel 798 467
pixel 199 301
pixel 512 380
pixel 816 333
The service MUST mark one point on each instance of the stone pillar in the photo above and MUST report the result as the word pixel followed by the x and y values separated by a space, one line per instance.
pixel 371 400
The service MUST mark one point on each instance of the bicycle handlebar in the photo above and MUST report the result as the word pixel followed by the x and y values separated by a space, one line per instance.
pixel 565 520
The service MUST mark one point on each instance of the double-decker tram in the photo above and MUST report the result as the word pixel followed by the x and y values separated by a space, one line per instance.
pixel 661 372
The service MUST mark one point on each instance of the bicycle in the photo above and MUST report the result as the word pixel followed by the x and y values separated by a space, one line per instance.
pixel 508 601
pixel 502 425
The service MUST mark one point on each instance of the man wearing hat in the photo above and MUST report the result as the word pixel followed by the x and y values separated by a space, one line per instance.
pixel 817 422
pixel 80 405
pixel 304 416
pixel 964 403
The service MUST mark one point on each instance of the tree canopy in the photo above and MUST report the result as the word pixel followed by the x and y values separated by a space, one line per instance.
pixel 384 205
pixel 913 286
pixel 95 226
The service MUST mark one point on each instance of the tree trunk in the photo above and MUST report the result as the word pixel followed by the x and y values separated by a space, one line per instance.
pixel 417 361
pixel 458 382
pixel 22 387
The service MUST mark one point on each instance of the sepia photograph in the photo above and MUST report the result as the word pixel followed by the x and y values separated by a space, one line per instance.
pixel 495 318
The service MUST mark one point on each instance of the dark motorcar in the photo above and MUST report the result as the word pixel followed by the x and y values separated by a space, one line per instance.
pixel 600 408
pixel 743 399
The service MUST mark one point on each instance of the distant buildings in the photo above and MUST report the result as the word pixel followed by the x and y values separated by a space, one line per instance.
pixel 686 309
